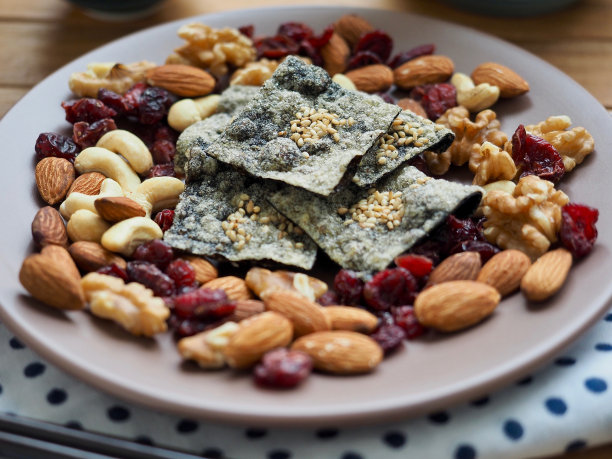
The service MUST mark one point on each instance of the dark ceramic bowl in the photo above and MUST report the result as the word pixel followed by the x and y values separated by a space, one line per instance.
pixel 514 8
pixel 117 9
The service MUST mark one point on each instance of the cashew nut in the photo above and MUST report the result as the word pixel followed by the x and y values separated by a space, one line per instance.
pixel 160 192
pixel 344 81
pixel 474 98
pixel 125 236
pixel 85 225
pixel 130 147
pixel 76 201
pixel 96 159
pixel 185 112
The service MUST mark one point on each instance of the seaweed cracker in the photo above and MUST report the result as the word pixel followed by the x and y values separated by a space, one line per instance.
pixel 235 97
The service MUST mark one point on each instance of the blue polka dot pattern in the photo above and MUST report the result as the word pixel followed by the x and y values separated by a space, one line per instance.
pixel 394 439
pixel 441 417
pixel 76 425
pixel 608 317
pixel 118 413
pixel 605 347
pixel 57 396
pixel 525 381
pixel 351 455
pixel 255 432
pixel 34 369
pixel 596 385
pixel 143 440
pixel 575 445
pixel 465 452
pixel 16 344
pixel 279 454
pixel 1 389
pixel 212 453
pixel 513 429
pixel 565 361
pixel 186 426
pixel 327 433
pixel 480 402
pixel 556 406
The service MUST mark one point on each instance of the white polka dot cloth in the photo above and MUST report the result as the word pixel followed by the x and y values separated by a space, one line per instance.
pixel 565 406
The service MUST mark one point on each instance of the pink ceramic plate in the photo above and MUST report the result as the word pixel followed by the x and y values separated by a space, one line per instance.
pixel 426 375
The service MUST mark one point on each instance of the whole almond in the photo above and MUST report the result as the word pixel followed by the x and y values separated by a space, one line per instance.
pixel 510 83
pixel 546 275
pixel 54 176
pixel 204 270
pixel 118 208
pixel 245 309
pixel 412 105
pixel 335 54
pixel 51 279
pixel 352 27
pixel 182 80
pixel 350 318
pixel 423 70
pixel 49 228
pixel 91 256
pixel 340 351
pixel 505 270
pixel 455 305
pixel 256 336
pixel 372 78
pixel 235 288
pixel 88 183
pixel 460 266
pixel 306 316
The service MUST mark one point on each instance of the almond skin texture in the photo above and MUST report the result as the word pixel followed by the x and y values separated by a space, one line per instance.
pixel 460 266
pixel 118 208
pixel 182 80
pixel 505 270
pixel 48 228
pixel 256 336
pixel 88 183
pixel 410 104
pixel 455 305
pixel 306 316
pixel 205 271
pixel 335 54
pixel 546 275
pixel 423 70
pixel 235 288
pixel 351 319
pixel 340 352
pixel 54 176
pixel 245 309
pixel 510 83
pixel 91 256
pixel 53 278
pixel 352 27
pixel 372 78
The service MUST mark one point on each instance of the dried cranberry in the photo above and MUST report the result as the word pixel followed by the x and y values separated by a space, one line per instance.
pixel 377 42
pixel 418 265
pixel 186 289
pixel 247 30
pixel 154 104
pixel 463 229
pixel 114 270
pixel 420 163
pixel 189 327
pixel 319 41
pixel 328 298
pixel 389 337
pixel 162 170
pixel 431 248
pixel 535 156
pixel 362 59
pixel 181 272
pixel 203 303
pixel 578 232
pixel 131 99
pixel 57 145
pixel 151 277
pixel 391 287
pixel 163 151
pixel 164 219
pixel 484 248
pixel 386 97
pixel 87 109
pixel 112 99
pixel 421 50
pixel 435 98
pixel 275 47
pixel 163 132
pixel 348 287
pixel 297 31
pixel 283 368
pixel 306 49
pixel 404 317
pixel 155 251
pixel 86 135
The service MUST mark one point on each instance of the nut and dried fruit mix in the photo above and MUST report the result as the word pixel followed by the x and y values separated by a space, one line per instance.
pixel 275 151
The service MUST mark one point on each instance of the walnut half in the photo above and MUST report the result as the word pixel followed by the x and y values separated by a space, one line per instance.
pixel 115 77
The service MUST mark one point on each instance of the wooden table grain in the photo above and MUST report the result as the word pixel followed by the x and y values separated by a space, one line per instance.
pixel 39 36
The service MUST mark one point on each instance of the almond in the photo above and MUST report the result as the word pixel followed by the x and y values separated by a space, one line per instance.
pixel 256 336
pixel 372 78
pixel 205 271
pixel 423 70
pixel 306 316
pixel 260 280
pixel 91 256
pixel 245 309
pixel 49 228
pixel 118 208
pixel 335 54
pixel 546 275
pixel 235 288
pixel 54 176
pixel 52 278
pixel 182 80
pixel 340 352
pixel 412 105
pixel 350 318
pixel 352 27
pixel 505 270
pixel 460 266
pixel 510 83
pixel 88 183
pixel 455 305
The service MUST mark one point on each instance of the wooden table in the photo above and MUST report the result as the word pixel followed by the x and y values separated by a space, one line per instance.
pixel 39 36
